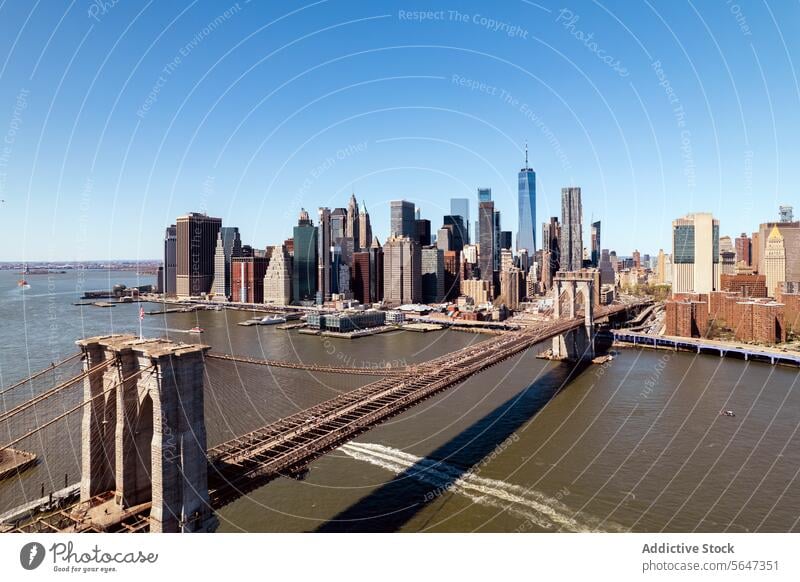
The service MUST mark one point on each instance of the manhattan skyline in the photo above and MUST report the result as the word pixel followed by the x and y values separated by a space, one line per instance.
pixel 251 112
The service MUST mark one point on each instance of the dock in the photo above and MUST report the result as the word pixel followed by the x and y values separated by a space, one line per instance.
pixel 295 325
pixel 357 333
pixel 14 461
pixel 770 355
pixel 422 327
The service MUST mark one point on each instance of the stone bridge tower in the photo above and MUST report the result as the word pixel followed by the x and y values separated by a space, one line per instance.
pixel 143 434
pixel 577 294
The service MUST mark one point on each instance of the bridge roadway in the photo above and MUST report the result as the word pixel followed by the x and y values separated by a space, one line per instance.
pixel 332 369
pixel 287 446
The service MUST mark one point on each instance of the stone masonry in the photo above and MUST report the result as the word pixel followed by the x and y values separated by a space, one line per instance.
pixel 145 438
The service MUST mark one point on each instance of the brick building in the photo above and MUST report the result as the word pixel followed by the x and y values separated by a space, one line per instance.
pixel 789 295
pixel 247 279
pixel 745 285
pixel 687 318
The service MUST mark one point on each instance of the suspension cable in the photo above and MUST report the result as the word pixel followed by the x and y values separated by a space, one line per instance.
pixel 39 373
pixel 75 408
pixel 55 390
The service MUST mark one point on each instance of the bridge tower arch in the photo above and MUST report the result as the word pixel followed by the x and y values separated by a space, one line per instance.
pixel 577 294
pixel 143 431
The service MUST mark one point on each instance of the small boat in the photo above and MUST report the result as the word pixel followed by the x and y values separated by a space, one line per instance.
pixel 196 329
pixel 727 413
pixel 23 284
pixel 272 320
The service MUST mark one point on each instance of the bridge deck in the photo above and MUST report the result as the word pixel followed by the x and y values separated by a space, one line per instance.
pixel 287 446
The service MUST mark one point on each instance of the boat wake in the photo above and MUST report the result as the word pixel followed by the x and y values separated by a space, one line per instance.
pixel 543 511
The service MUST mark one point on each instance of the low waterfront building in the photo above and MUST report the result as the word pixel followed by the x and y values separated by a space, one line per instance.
pixel 346 321
pixel 395 316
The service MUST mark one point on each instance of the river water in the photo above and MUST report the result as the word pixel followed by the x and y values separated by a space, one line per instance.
pixel 528 445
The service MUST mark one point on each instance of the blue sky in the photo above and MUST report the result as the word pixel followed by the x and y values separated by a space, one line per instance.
pixel 115 117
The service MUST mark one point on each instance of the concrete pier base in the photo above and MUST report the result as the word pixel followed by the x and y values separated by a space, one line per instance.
pixel 576 345
pixel 144 435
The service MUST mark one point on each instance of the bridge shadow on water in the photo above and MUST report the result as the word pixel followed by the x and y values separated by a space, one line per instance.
pixel 396 502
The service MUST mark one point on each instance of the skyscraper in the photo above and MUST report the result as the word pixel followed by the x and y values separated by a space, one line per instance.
pixel 512 290
pixel 443 239
pixel 484 195
pixel 229 245
pixel 743 249
pixel 607 276
pixel 353 224
pixel 487 240
pixel 364 228
pixel 324 242
pixel 361 277
pixel 170 260
pixel 433 279
pixel 338 224
pixel 247 278
pixel 304 271
pixel 571 243
pixel 505 239
pixel 551 242
pixel 596 243
pixel 402 271
pixel 375 271
pixel 403 222
pixel 422 228
pixel 458 230
pixel 196 242
pixel 460 207
pixel 695 253
pixel 774 261
pixel 278 278
pixel 526 235
pixel 497 231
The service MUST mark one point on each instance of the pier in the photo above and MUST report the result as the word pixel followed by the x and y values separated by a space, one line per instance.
pixel 774 356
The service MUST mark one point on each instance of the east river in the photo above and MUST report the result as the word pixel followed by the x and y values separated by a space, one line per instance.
pixel 528 445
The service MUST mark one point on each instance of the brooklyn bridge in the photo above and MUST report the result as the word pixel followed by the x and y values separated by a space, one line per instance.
pixel 145 464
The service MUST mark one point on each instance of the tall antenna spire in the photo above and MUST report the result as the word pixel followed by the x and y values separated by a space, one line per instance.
pixel 526 154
